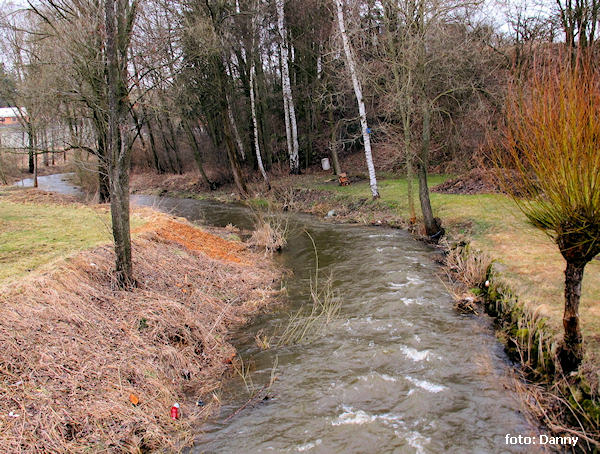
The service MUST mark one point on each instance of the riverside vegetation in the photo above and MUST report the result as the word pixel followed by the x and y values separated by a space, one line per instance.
pixel 90 366
pixel 489 239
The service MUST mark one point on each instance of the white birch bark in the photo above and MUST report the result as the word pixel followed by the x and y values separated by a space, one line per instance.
pixel 359 98
pixel 287 91
pixel 255 125
pixel 319 65
pixel 288 129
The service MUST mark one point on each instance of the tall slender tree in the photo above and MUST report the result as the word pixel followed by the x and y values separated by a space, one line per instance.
pixel 119 21
pixel 352 67
pixel 288 98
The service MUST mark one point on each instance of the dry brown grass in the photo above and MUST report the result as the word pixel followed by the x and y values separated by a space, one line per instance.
pixel 469 267
pixel 270 231
pixel 75 347
pixel 36 196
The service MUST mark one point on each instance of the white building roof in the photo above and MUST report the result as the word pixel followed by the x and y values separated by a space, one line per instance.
pixel 9 112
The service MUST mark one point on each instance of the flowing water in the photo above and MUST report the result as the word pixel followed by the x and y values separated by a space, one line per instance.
pixel 55 183
pixel 398 372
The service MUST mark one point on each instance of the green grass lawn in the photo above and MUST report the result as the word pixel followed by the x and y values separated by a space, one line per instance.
pixel 527 258
pixel 33 234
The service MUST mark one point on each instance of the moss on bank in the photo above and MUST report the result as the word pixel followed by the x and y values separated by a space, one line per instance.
pixel 565 404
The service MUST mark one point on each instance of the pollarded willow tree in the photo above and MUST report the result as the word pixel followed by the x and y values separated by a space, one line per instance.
pixel 551 140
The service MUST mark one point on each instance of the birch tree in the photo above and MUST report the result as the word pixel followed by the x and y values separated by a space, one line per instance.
pixel 255 125
pixel 253 91
pixel 359 98
pixel 288 99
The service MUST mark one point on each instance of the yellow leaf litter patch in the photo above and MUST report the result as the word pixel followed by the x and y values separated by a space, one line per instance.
pixel 191 237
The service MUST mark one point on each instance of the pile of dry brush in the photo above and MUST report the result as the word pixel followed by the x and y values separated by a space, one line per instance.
pixel 75 348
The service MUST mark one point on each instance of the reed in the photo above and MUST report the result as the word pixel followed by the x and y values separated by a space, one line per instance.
pixel 308 323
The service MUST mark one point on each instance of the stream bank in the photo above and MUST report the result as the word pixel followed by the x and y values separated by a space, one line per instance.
pixel 528 330
pixel 87 367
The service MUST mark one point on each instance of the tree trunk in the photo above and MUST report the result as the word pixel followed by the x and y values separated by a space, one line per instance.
pixel 291 127
pixel 262 109
pixel 35 170
pixel 359 99
pixel 3 178
pixel 118 150
pixel 234 129
pixel 409 166
pixel 309 134
pixel 433 226
pixel 45 148
pixel 255 126
pixel 171 128
pixel 103 177
pixel 31 141
pixel 119 209
pixel 157 164
pixel 238 176
pixel 571 352
pixel 333 145
pixel 197 155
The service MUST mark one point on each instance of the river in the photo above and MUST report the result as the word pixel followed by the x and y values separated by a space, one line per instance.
pixel 398 372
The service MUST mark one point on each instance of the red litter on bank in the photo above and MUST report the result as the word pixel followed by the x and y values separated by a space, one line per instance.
pixel 175 411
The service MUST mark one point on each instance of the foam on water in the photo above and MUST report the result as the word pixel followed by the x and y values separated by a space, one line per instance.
pixel 426 385
pixel 377 375
pixel 410 301
pixel 360 417
pixel 308 446
pixel 415 440
pixel 415 354
pixel 410 280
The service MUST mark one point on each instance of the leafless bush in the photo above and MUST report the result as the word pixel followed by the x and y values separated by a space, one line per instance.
pixel 467 266
pixel 270 231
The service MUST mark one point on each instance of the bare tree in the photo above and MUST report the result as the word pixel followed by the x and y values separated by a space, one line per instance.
pixel 288 99
pixel 359 97
pixel 119 22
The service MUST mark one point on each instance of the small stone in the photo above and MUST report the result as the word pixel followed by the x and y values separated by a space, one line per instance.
pixel 331 213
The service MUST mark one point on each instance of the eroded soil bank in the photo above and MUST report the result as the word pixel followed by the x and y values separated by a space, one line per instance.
pixel 77 350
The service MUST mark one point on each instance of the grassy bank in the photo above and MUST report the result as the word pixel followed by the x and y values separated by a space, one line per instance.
pixel 36 228
pixel 87 367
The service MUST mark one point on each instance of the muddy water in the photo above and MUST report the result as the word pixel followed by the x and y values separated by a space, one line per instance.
pixel 399 372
